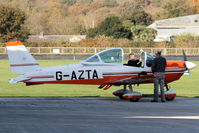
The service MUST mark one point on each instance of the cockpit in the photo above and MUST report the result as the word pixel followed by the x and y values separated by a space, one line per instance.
pixel 106 57
pixel 114 56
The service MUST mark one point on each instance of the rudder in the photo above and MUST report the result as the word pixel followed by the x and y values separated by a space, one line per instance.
pixel 21 61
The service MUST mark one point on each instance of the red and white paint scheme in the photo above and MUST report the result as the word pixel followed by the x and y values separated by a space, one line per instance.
pixel 105 69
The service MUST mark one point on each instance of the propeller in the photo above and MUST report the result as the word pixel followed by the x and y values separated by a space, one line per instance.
pixel 184 55
pixel 189 65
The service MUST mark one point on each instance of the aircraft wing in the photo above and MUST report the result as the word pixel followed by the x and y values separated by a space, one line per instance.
pixel 136 80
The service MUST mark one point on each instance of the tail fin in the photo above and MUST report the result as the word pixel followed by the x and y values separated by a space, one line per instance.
pixel 21 61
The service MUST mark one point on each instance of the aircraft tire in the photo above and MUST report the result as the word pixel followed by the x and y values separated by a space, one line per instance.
pixel 121 97
pixel 170 98
pixel 134 99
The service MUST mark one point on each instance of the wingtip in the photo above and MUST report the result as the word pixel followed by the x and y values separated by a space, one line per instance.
pixel 12 81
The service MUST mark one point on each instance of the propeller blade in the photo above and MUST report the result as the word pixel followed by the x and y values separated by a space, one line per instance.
pixel 184 55
pixel 189 73
pixel 189 65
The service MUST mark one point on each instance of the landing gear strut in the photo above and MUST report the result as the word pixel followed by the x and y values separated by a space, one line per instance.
pixel 167 87
pixel 128 94
pixel 124 91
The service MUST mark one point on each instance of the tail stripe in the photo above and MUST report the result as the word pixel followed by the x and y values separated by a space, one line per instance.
pixel 17 43
pixel 30 64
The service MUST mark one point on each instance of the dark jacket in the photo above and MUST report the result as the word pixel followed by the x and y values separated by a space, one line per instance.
pixel 135 63
pixel 159 64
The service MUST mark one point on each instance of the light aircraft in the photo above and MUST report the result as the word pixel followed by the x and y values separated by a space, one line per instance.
pixel 105 69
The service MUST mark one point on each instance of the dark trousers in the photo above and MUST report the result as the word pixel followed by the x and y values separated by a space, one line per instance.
pixel 159 78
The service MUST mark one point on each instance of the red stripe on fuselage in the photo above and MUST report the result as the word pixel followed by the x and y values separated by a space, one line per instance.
pixel 169 77
pixel 177 67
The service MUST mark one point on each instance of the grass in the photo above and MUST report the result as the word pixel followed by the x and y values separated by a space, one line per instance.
pixel 185 87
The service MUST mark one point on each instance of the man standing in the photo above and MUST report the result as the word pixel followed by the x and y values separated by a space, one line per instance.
pixel 158 69
pixel 133 62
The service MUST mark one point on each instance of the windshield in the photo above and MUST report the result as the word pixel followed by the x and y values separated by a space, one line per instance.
pixel 143 59
pixel 111 56
pixel 93 58
pixel 149 59
pixel 114 55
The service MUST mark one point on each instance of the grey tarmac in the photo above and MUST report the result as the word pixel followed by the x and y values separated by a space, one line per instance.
pixel 97 115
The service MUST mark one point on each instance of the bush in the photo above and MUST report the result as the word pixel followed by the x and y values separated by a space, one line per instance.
pixel 185 38
pixel 127 24
pixel 104 41
pixel 143 34
pixel 92 32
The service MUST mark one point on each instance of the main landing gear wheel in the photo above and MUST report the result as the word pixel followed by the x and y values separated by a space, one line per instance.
pixel 121 97
pixel 133 96
pixel 134 99
pixel 121 92
pixel 130 95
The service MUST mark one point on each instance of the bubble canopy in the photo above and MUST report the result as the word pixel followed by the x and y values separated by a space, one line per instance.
pixel 110 56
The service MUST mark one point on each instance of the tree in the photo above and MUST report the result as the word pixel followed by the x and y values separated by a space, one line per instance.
pixel 106 27
pixel 139 17
pixel 127 6
pixel 143 34
pixel 110 3
pixel 84 1
pixel 195 4
pixel 176 8
pixel 120 32
pixel 12 24
pixel 68 2
pixel 111 26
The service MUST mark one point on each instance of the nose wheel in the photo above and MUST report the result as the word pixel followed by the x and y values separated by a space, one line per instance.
pixel 170 98
pixel 169 94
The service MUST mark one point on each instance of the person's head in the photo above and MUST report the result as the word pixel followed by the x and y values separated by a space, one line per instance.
pixel 158 53
pixel 131 57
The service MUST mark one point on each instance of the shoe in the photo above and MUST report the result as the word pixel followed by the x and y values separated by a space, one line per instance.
pixel 163 101
pixel 154 101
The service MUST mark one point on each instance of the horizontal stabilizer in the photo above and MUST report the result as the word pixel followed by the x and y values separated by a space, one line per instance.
pixel 19 79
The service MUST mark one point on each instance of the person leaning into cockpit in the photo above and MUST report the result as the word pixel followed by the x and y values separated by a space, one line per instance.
pixel 133 61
